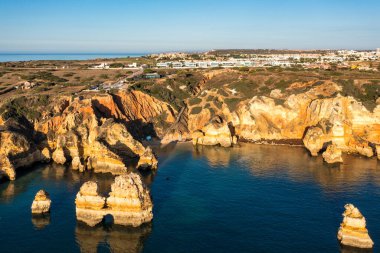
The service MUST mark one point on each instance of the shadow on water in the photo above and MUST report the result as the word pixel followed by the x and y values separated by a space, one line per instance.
pixel 108 237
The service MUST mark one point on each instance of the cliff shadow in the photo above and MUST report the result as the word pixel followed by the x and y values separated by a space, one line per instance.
pixel 140 130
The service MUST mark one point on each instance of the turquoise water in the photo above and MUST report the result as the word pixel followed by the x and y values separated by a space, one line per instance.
pixel 251 198
pixel 34 57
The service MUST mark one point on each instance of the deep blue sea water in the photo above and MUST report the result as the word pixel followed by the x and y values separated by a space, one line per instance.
pixel 33 57
pixel 253 198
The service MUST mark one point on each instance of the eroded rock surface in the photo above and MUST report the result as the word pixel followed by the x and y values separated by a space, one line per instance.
pixel 353 231
pixel 332 154
pixel 41 203
pixel 217 132
pixel 129 202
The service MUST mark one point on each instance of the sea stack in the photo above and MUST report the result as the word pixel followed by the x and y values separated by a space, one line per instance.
pixel 353 231
pixel 89 204
pixel 41 203
pixel 129 202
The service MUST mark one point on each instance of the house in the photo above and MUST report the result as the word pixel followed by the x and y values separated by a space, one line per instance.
pixel 102 65
pixel 152 76
pixel 133 65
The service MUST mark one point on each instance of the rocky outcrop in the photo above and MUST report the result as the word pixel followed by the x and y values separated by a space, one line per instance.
pixel 81 135
pixel 353 231
pixel 332 154
pixel 17 148
pixel 318 116
pixel 59 156
pixel 89 204
pixel 129 202
pixel 147 160
pixel 216 132
pixel 41 203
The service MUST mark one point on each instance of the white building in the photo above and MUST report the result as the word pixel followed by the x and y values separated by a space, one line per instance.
pixel 177 64
pixel 202 64
pixel 102 65
pixel 163 64
pixel 190 64
pixel 133 65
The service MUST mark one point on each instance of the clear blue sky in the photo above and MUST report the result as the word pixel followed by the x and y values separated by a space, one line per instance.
pixel 168 25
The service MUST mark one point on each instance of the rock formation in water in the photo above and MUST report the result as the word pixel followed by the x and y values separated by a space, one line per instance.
pixel 41 203
pixel 353 231
pixel 147 160
pixel 129 202
pixel 332 154
pixel 216 132
pixel 89 204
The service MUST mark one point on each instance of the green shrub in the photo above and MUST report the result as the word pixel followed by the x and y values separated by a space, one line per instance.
pixel 196 110
pixel 232 103
pixel 194 101
pixel 116 65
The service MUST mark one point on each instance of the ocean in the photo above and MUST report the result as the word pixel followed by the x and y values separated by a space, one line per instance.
pixel 34 57
pixel 251 198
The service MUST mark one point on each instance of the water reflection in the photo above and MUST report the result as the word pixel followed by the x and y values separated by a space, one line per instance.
pixel 40 221
pixel 114 238
pixel 346 249
pixel 294 163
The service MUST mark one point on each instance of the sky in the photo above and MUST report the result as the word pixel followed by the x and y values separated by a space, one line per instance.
pixel 146 26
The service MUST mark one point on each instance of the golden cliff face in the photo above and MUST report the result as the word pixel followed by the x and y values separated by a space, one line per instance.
pixel 17 148
pixel 90 132
pixel 318 117
pixel 90 140
pixel 129 202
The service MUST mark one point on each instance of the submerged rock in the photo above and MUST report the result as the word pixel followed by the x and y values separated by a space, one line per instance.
pixel 129 202
pixel 332 154
pixel 41 203
pixel 353 231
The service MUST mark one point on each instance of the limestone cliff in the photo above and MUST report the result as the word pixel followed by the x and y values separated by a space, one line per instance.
pixel 318 116
pixel 17 147
pixel 41 203
pixel 129 202
pixel 217 132
pixel 353 231
pixel 82 135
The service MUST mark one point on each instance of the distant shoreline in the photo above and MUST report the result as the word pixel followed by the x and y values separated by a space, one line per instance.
pixel 9 57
